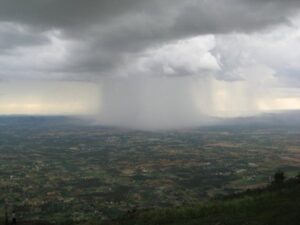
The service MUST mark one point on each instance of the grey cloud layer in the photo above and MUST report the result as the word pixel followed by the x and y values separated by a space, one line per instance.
pixel 109 33
pixel 12 36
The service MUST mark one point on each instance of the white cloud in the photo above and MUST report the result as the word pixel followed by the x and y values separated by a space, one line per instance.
pixel 37 61
pixel 277 49
pixel 185 57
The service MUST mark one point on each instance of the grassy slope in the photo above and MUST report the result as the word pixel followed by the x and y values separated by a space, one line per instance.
pixel 270 206
pixel 274 205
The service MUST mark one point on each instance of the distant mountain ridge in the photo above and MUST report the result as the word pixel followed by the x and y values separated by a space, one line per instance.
pixel 272 119
pixel 279 118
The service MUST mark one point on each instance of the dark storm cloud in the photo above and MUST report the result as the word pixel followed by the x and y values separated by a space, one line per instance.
pixel 109 33
pixel 64 14
pixel 197 15
pixel 13 36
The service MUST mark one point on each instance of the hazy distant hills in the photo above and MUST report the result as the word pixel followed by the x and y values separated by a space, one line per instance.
pixel 33 121
pixel 280 118
pixel 274 119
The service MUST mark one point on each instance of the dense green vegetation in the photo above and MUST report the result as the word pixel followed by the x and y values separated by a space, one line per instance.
pixel 277 204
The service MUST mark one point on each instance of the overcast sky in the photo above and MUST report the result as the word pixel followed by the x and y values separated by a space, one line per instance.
pixel 149 63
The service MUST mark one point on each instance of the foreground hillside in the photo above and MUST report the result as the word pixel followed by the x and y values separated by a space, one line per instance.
pixel 275 205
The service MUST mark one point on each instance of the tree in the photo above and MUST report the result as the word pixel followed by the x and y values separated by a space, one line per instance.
pixel 279 177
